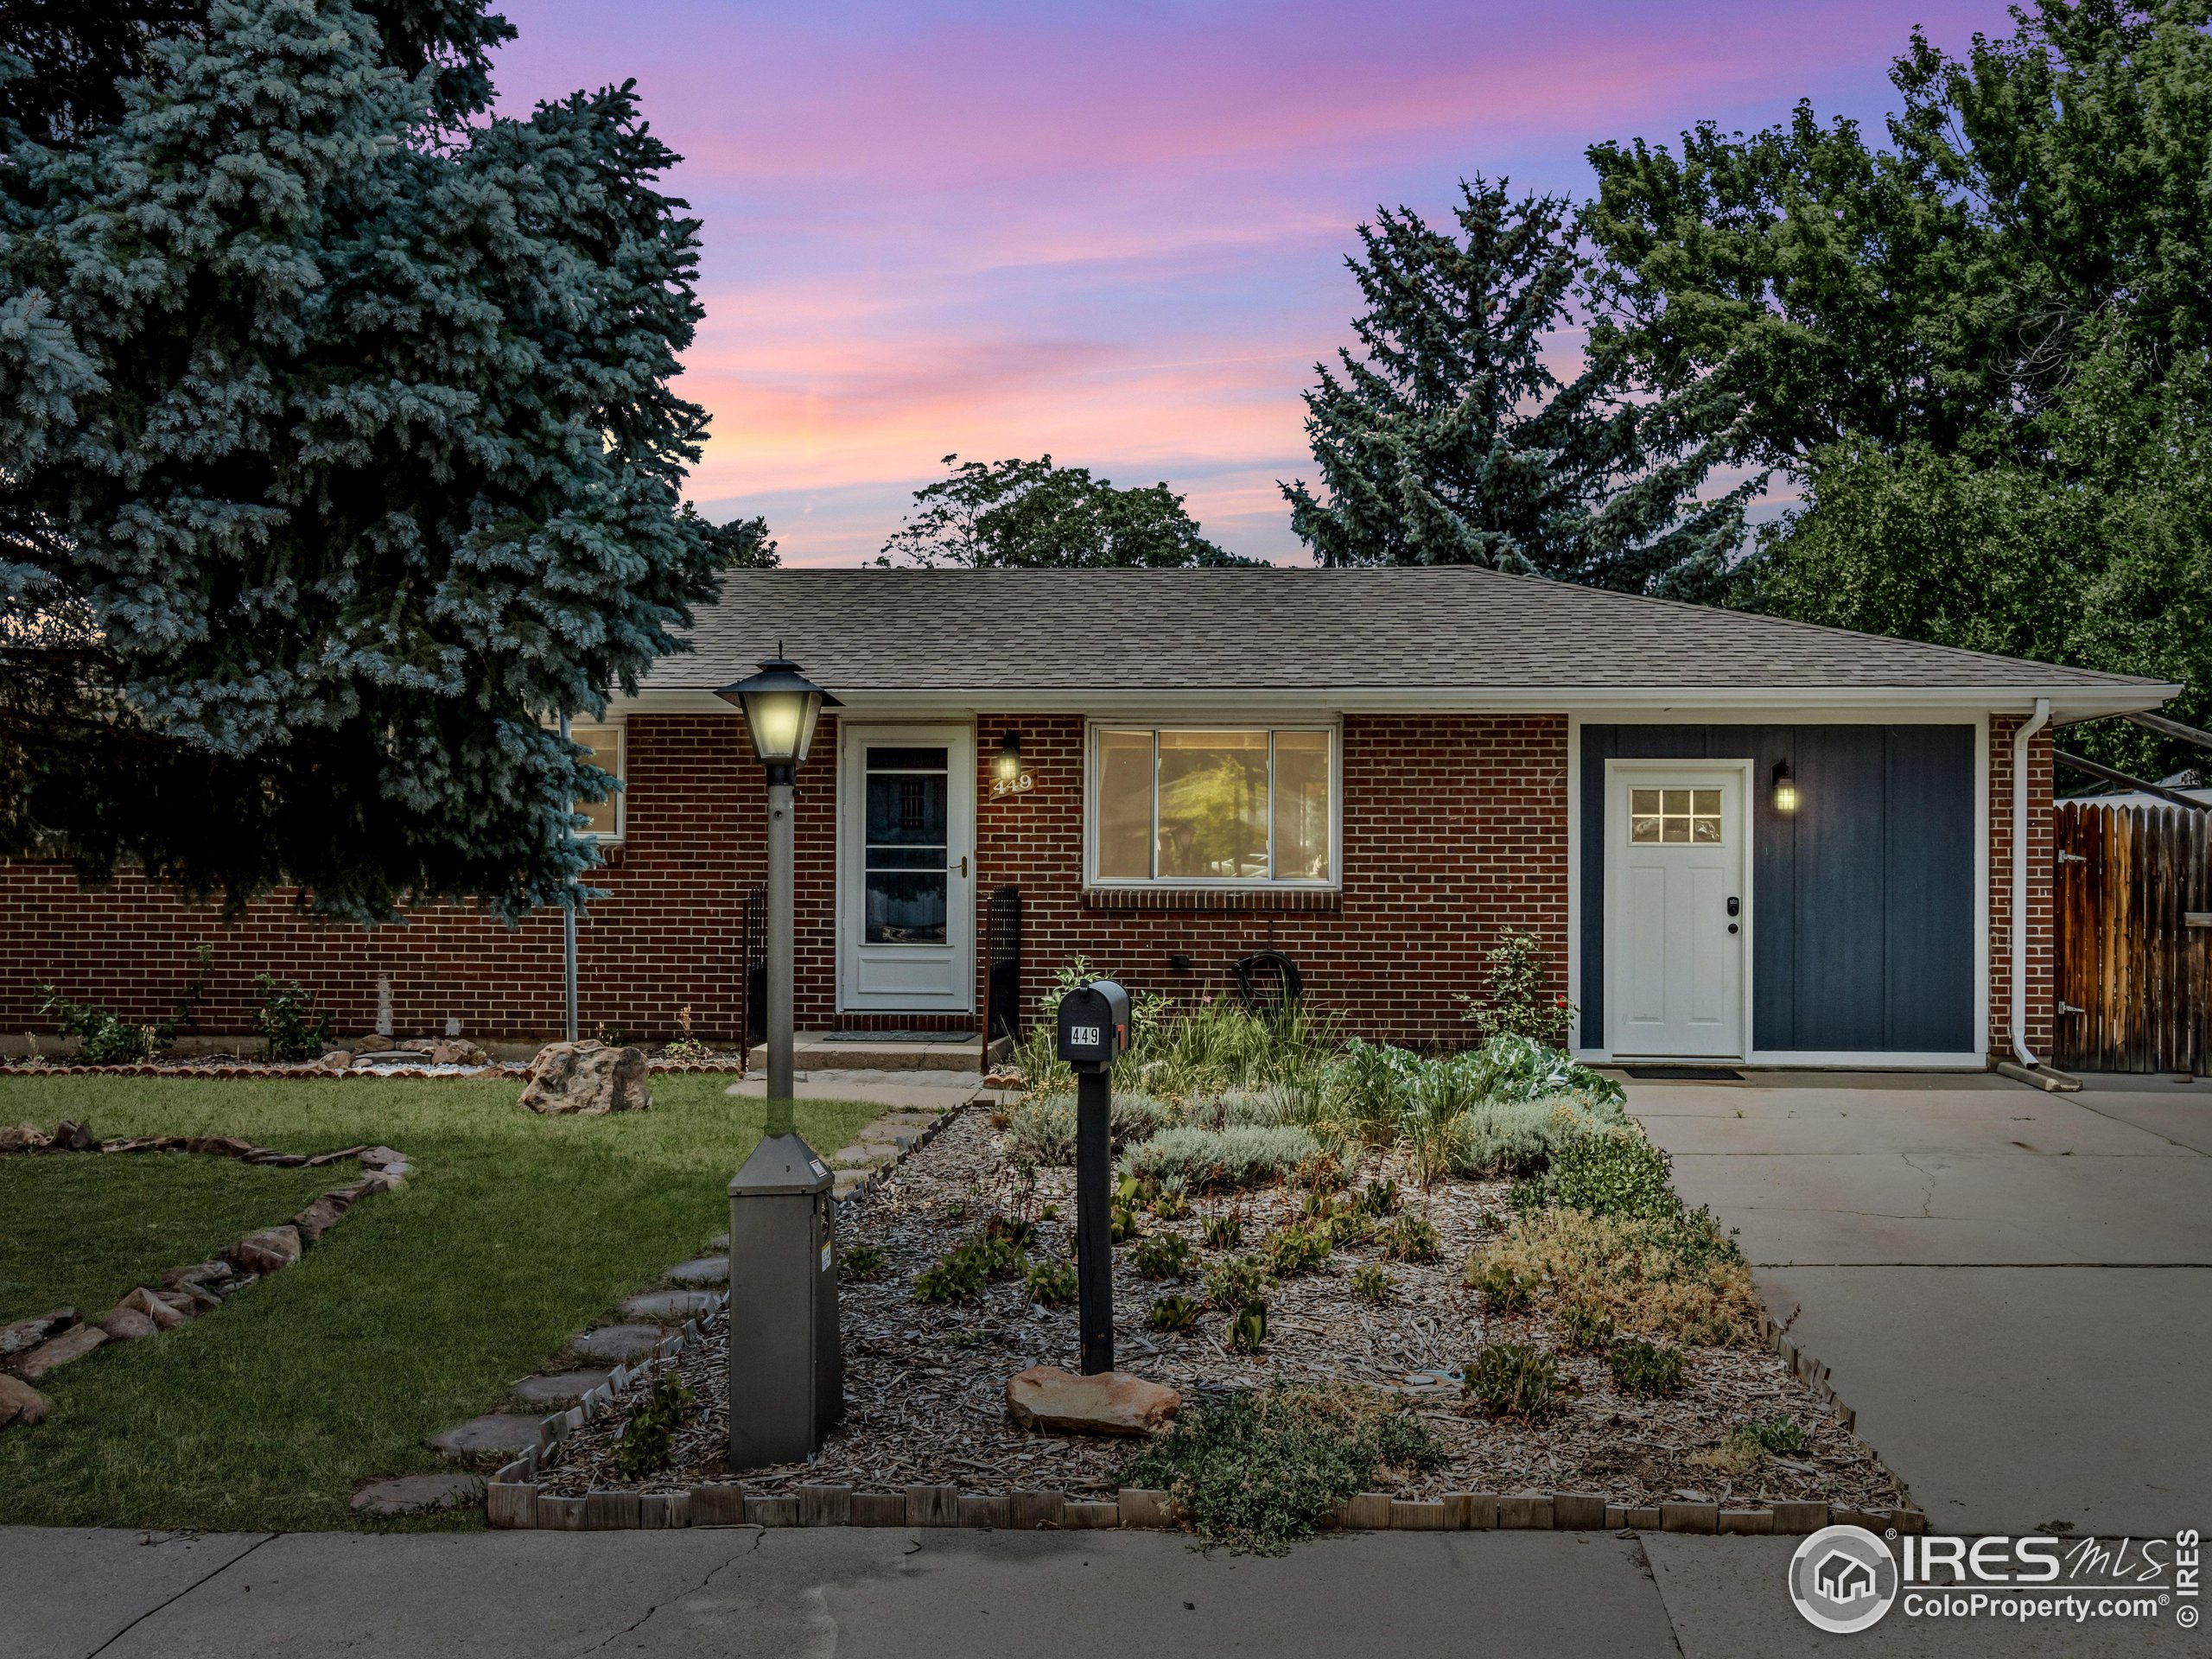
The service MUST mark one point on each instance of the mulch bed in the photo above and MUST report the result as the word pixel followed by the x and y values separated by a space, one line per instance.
pixel 925 1384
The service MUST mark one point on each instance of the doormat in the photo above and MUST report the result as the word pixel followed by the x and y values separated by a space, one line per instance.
pixel 1684 1074
pixel 902 1036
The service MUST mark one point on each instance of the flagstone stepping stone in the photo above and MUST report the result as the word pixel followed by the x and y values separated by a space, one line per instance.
pixel 553 1388
pixel 418 1494
pixel 618 1342
pixel 672 1305
pixel 505 1432
pixel 704 1270
pixel 71 1344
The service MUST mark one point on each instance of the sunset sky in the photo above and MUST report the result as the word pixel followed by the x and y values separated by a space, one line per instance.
pixel 1115 233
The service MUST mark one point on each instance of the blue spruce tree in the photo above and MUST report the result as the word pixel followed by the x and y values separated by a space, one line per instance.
pixel 1450 440
pixel 338 459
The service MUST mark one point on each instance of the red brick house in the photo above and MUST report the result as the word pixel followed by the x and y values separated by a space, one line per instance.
pixel 1741 838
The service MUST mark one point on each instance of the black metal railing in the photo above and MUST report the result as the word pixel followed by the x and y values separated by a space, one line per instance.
pixel 1003 1001
pixel 753 949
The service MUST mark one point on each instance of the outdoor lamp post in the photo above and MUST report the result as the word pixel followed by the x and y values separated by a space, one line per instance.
pixel 786 1377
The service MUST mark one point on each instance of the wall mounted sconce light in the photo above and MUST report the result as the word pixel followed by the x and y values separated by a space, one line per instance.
pixel 1008 776
pixel 1786 789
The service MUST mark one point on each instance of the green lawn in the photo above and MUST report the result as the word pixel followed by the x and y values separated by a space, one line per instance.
pixel 514 1232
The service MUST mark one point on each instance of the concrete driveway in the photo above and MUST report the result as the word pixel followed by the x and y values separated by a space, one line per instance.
pixel 2012 1289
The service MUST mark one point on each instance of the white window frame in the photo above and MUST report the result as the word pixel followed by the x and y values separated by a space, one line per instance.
pixel 621 799
pixel 1245 722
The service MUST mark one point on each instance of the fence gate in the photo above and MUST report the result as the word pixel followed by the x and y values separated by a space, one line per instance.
pixel 2133 903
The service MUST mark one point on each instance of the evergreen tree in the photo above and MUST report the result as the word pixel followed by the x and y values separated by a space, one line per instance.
pixel 1031 513
pixel 1452 440
pixel 339 460
pixel 1982 350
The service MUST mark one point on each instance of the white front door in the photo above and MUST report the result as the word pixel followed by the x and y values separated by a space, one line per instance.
pixel 905 846
pixel 1678 908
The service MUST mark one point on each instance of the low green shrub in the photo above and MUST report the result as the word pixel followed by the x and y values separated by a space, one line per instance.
pixel 1585 1326
pixel 1052 1283
pixel 1172 1201
pixel 648 1442
pixel 1498 1287
pixel 1261 1470
pixel 1519 1137
pixel 1236 1282
pixel 1519 1003
pixel 1172 1313
pixel 1411 1238
pixel 1371 1283
pixel 1510 1067
pixel 1514 1379
pixel 1231 1109
pixel 1349 1228
pixel 1041 1129
pixel 861 1262
pixel 1248 1331
pixel 1298 1248
pixel 1379 1197
pixel 1646 1368
pixel 1163 1256
pixel 288 1019
pixel 1782 1435
pixel 1243 1157
pixel 961 1272
pixel 1223 1232
pixel 102 1038
pixel 1616 1173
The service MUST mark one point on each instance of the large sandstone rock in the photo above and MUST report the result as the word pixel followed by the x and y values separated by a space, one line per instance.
pixel 73 1343
pixel 20 1403
pixel 267 1251
pixel 1113 1403
pixel 26 1334
pixel 587 1078
pixel 128 1325
pixel 168 1309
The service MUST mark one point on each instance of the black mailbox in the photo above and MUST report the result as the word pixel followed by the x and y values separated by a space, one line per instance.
pixel 1093 1027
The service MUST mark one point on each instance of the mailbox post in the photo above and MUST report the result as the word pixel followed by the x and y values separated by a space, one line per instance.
pixel 1093 1028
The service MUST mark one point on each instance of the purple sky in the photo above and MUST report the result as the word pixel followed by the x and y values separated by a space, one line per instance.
pixel 1115 233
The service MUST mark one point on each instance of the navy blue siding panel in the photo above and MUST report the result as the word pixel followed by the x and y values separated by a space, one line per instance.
pixel 1841 989
pixel 1862 901
pixel 1930 898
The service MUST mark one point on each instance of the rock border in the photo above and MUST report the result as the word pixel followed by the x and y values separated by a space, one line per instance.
pixel 196 1287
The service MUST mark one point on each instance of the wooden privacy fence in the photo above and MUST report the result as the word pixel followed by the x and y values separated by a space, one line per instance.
pixel 2133 903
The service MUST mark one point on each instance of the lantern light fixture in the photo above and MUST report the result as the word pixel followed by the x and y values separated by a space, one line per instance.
pixel 1786 789
pixel 1008 776
pixel 781 706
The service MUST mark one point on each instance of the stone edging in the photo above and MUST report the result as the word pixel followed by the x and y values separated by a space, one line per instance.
pixel 514 1502
pixel 199 1286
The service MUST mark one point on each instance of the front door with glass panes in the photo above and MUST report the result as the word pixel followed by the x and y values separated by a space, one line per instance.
pixel 1677 909
pixel 906 909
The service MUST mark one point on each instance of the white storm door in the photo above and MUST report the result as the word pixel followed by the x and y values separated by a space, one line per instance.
pixel 906 847
pixel 1678 909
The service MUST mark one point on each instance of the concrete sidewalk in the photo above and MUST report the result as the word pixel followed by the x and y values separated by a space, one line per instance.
pixel 891 1594
pixel 2012 1289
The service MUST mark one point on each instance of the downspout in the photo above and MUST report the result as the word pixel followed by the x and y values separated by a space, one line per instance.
pixel 2040 719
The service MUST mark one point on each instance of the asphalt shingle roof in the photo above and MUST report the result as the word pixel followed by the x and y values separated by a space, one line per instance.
pixel 1268 628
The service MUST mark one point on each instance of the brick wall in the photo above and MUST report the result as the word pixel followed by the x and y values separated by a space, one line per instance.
pixel 1454 826
pixel 666 936
pixel 2041 1024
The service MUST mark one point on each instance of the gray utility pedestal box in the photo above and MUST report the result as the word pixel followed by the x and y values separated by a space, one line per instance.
pixel 786 1375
